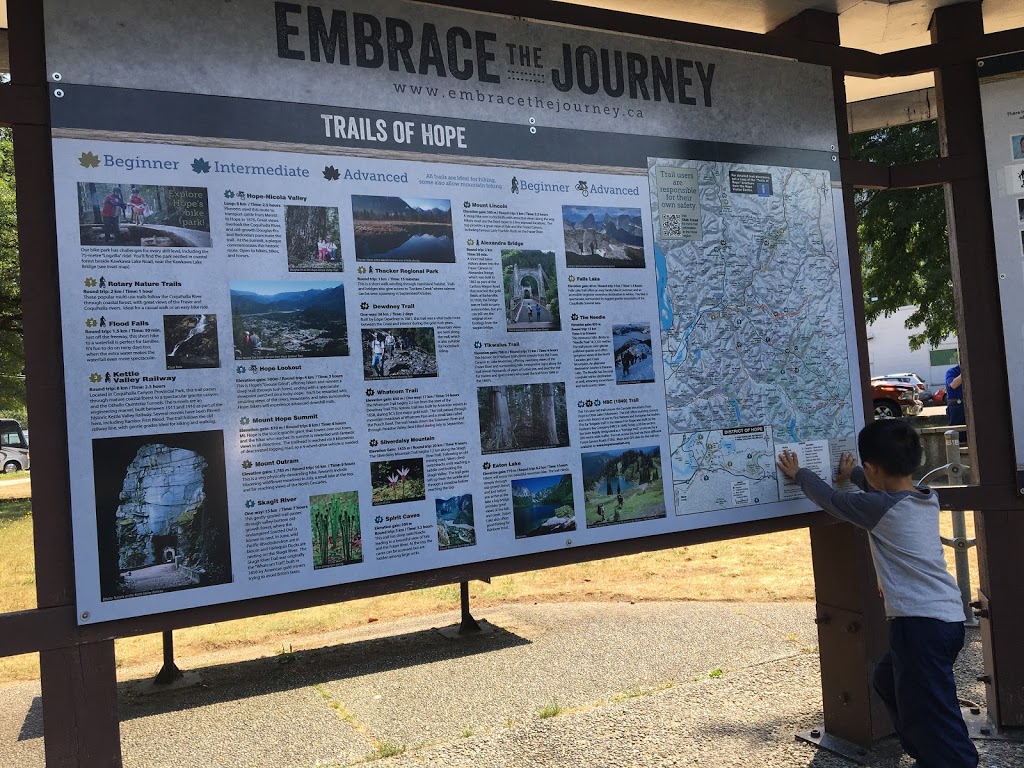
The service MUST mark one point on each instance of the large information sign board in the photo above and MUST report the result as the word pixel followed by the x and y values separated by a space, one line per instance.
pixel 1002 105
pixel 349 293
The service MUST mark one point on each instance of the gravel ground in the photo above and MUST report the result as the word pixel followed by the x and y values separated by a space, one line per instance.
pixel 584 684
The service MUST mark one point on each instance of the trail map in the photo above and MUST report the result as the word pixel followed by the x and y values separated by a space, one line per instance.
pixel 752 319
pixel 720 469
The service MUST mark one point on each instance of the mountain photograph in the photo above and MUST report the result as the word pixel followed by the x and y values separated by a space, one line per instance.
pixel 603 236
pixel 409 229
pixel 280 319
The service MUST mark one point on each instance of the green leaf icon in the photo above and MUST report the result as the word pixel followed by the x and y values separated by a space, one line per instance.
pixel 199 165
pixel 89 160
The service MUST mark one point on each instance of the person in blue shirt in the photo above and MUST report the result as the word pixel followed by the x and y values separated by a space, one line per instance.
pixel 955 397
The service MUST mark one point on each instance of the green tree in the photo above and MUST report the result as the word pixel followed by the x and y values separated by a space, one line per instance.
pixel 904 242
pixel 12 342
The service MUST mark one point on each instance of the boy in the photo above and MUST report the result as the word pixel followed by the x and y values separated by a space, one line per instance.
pixel 922 601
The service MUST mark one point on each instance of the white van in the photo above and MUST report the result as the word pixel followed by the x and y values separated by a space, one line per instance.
pixel 13 446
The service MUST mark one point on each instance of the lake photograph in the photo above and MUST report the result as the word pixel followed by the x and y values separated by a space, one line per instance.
pixel 410 229
pixel 543 505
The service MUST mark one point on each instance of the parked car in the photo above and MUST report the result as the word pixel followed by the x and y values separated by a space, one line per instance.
pixel 906 378
pixel 893 399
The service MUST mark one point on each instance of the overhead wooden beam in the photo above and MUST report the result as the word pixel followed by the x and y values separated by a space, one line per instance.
pixel 897 109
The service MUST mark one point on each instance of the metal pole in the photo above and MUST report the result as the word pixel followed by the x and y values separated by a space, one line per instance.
pixel 960 543
pixel 963 570
pixel 169 672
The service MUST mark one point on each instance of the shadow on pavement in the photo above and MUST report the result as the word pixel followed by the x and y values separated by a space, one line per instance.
pixel 237 681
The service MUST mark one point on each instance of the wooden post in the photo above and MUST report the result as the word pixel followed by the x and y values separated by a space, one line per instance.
pixel 850 614
pixel 79 684
pixel 1000 534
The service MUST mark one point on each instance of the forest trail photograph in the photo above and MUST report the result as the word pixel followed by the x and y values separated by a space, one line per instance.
pixel 312 239
pixel 398 353
pixel 522 417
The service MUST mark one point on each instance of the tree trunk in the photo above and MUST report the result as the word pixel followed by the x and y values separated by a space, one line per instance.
pixel 502 422
pixel 549 413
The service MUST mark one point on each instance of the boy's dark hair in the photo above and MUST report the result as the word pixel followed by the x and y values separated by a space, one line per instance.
pixel 891 444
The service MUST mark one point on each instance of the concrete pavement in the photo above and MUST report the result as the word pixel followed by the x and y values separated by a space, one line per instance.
pixel 595 685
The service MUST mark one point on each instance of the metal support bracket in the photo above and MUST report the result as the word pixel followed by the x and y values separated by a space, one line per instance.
pixel 169 672
pixel 468 625
pixel 818 738
pixel 959 542
pixel 981 728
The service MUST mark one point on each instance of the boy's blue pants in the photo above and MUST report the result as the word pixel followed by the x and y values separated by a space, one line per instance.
pixel 915 680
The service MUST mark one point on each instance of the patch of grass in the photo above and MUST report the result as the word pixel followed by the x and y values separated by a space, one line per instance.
pixel 17 490
pixel 550 709
pixel 715 673
pixel 15 509
pixel 633 693
pixel 466 733
pixel 340 709
pixel 388 749
pixel 18 575
pixel 285 657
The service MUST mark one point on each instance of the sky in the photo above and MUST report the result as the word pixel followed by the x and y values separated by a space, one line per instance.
pixel 537 484
pixel 579 212
pixel 426 203
pixel 274 287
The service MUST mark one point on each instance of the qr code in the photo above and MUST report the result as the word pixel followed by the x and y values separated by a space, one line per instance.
pixel 671 225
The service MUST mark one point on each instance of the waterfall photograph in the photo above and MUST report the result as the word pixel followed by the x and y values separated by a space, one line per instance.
pixel 190 341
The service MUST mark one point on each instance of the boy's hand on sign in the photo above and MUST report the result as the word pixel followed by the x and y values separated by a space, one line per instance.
pixel 788 463
pixel 847 463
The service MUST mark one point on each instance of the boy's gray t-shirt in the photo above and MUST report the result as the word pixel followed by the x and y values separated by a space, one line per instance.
pixel 903 531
